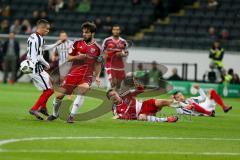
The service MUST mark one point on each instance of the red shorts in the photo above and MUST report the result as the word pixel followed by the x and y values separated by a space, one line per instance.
pixel 116 74
pixel 149 107
pixel 71 82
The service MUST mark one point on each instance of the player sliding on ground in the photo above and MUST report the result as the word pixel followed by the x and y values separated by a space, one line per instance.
pixel 127 107
pixel 41 79
pixel 114 51
pixel 86 57
pixel 201 105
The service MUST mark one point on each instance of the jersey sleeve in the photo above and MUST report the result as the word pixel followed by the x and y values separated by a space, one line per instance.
pixel 104 44
pixel 73 49
pixel 202 97
pixel 100 54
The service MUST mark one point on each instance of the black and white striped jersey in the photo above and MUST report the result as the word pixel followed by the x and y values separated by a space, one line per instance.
pixel 63 50
pixel 35 49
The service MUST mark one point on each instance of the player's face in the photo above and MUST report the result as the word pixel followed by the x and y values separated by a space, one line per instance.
pixel 87 35
pixel 179 97
pixel 63 36
pixel 114 96
pixel 44 29
pixel 116 31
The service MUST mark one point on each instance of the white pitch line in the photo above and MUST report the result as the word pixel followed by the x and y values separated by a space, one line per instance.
pixel 118 152
pixel 7 141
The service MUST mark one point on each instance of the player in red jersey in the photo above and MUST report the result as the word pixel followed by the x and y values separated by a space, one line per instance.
pixel 86 58
pixel 127 107
pixel 114 50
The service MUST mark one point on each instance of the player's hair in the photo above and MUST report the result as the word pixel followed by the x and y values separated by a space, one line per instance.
pixel 89 26
pixel 107 94
pixel 62 32
pixel 42 21
pixel 176 92
pixel 116 25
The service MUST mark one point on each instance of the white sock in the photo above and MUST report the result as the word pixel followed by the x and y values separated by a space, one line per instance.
pixel 156 119
pixel 56 105
pixel 77 104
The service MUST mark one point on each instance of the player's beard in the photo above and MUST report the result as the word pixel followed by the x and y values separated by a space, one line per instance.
pixel 88 40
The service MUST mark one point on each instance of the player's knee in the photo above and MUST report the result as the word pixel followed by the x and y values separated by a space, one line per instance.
pixel 142 117
pixel 60 96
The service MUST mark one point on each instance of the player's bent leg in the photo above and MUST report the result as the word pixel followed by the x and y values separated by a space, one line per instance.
pixel 163 103
pixel 57 101
pixel 82 89
pixel 151 118
pixel 216 97
pixel 46 94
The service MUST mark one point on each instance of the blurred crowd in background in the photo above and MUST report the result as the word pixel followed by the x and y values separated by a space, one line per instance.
pixel 10 49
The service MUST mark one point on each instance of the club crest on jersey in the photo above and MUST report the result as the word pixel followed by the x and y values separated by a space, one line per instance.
pixel 92 50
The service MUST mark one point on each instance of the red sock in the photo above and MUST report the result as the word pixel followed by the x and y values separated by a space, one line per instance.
pixel 217 98
pixel 44 105
pixel 42 100
pixel 199 109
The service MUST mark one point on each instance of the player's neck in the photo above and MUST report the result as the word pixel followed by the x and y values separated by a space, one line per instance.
pixel 89 41
pixel 116 37
pixel 40 34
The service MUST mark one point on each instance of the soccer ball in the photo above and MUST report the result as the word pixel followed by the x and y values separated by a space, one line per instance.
pixel 26 66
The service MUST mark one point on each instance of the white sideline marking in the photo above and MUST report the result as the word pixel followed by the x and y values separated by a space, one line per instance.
pixel 7 141
pixel 117 152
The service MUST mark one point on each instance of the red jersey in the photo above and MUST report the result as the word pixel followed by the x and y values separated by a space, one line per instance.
pixel 129 107
pixel 112 46
pixel 85 66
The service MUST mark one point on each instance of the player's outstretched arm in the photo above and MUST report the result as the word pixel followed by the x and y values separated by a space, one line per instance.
pixel 51 46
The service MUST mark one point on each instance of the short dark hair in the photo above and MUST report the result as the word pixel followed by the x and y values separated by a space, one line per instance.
pixel 42 21
pixel 176 92
pixel 107 94
pixel 62 32
pixel 89 26
pixel 116 25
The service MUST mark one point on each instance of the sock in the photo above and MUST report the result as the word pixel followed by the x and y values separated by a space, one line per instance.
pixel 156 119
pixel 199 109
pixel 42 100
pixel 44 105
pixel 47 94
pixel 217 98
pixel 56 105
pixel 77 104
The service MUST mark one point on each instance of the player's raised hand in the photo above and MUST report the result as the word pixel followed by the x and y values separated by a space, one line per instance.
pixel 60 41
pixel 47 67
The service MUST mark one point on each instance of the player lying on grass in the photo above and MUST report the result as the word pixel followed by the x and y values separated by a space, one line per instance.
pixel 127 107
pixel 201 105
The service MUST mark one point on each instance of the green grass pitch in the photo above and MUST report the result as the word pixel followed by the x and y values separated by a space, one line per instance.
pixel 192 138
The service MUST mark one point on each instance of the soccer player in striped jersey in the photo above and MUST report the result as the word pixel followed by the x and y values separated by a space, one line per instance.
pixel 114 49
pixel 201 105
pixel 61 53
pixel 41 79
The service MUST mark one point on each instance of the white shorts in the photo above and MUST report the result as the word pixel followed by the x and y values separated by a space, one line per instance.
pixel 41 80
pixel 208 104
